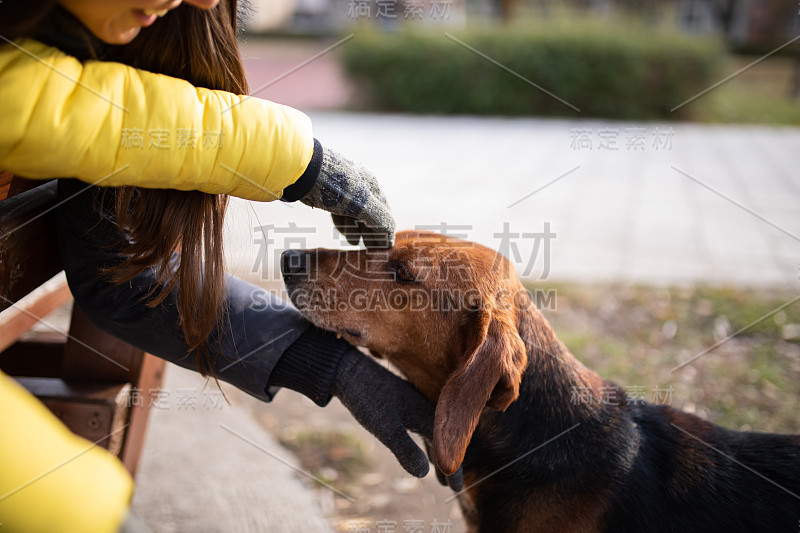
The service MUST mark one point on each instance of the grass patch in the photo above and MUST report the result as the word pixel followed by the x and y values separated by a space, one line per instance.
pixel 337 457
pixel 635 336
pixel 760 94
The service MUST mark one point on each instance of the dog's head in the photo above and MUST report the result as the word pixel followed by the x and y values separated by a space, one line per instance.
pixel 443 310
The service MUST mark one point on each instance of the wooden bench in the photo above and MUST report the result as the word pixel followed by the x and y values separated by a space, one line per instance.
pixel 99 386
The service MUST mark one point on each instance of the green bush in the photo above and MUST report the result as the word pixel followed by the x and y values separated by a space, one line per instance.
pixel 602 71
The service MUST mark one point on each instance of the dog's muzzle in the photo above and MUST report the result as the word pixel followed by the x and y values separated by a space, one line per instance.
pixel 295 263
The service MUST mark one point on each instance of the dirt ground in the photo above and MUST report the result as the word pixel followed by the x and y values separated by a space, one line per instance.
pixel 374 493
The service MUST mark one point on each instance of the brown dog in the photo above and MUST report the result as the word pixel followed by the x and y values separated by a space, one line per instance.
pixel 455 319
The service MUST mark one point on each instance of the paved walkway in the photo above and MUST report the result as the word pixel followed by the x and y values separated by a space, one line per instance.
pixel 675 203
pixel 210 467
pixel 294 73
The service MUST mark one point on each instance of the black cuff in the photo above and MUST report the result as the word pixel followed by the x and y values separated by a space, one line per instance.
pixel 300 188
pixel 309 365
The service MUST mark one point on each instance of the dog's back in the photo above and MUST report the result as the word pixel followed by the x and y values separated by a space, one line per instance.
pixel 627 468
pixel 691 475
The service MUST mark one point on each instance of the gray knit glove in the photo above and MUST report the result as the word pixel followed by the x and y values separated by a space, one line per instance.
pixel 352 195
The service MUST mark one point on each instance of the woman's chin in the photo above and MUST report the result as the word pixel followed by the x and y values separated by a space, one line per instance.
pixel 114 36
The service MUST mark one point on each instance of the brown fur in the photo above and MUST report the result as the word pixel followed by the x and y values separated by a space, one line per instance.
pixel 465 360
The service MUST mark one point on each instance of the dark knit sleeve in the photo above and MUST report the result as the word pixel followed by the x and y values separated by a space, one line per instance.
pixel 309 365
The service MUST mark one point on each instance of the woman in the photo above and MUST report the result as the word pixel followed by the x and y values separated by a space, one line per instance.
pixel 69 110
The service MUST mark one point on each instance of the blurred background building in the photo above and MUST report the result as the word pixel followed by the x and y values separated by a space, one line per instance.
pixel 745 23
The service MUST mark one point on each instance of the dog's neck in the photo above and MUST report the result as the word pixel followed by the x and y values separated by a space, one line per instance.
pixel 552 369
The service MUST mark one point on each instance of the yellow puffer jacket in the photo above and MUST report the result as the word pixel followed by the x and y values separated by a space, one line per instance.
pixel 51 479
pixel 111 125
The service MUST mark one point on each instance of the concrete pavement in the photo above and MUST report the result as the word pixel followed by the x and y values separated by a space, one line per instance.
pixel 210 467
pixel 642 202
pixel 673 203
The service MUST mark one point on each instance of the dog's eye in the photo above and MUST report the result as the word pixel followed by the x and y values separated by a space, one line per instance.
pixel 403 273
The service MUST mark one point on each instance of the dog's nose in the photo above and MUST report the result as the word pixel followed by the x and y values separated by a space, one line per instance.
pixel 294 262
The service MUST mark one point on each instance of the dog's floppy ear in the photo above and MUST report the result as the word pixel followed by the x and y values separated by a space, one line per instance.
pixel 489 373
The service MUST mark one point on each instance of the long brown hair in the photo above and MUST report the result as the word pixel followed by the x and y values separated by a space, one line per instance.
pixel 19 17
pixel 201 47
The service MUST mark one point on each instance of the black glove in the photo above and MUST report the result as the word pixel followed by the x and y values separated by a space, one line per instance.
pixel 319 365
pixel 387 406
pixel 350 193
pixel 455 481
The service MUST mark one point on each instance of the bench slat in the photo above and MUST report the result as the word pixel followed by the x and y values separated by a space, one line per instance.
pixel 28 245
pixel 96 411
pixel 5 183
pixel 148 385
pixel 20 317
pixel 11 185
pixel 91 353
pixel 36 356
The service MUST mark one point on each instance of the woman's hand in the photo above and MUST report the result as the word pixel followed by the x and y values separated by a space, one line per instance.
pixel 352 195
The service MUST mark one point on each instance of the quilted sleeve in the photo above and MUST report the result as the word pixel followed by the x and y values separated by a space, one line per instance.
pixel 111 125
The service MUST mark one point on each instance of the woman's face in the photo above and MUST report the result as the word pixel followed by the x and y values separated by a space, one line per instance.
pixel 119 21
